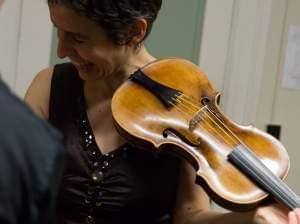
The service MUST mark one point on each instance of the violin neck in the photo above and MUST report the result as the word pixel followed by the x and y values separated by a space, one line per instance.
pixel 247 162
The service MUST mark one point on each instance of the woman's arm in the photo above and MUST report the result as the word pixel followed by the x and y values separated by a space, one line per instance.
pixel 38 93
pixel 193 204
pixel 191 198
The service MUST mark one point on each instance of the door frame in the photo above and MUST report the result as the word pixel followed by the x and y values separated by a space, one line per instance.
pixel 233 50
pixel 34 43
pixel 10 20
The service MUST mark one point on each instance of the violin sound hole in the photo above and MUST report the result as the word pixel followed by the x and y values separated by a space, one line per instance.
pixel 165 134
pixel 205 101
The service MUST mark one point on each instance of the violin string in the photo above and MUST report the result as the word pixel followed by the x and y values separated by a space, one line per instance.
pixel 183 97
pixel 226 140
pixel 210 125
pixel 181 110
pixel 223 127
pixel 182 102
pixel 234 139
pixel 234 136
pixel 215 119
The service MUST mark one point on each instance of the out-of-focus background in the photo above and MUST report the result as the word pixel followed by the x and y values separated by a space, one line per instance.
pixel 250 50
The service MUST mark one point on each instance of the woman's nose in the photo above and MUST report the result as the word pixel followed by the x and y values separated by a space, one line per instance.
pixel 64 47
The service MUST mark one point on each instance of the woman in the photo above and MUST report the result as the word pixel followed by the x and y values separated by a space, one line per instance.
pixel 106 180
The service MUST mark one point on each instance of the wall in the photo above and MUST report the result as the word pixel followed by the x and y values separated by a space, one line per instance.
pixel 34 43
pixel 278 104
pixel 25 41
pixel 10 17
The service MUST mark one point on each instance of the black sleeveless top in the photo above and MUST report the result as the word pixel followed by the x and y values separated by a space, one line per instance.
pixel 128 185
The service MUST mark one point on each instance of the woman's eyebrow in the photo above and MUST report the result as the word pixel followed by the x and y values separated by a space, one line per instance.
pixel 81 35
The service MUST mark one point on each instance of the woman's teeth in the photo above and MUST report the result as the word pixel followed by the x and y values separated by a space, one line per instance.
pixel 85 67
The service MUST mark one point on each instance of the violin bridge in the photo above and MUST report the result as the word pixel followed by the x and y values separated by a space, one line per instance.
pixel 196 119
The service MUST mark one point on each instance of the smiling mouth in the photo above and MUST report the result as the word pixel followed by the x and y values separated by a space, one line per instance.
pixel 85 68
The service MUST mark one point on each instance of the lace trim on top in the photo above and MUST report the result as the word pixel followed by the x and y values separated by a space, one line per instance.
pixel 99 163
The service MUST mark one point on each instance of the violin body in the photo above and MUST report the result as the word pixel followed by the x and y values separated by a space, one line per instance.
pixel 175 108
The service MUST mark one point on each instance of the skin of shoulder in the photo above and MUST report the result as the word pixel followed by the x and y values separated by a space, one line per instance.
pixel 38 94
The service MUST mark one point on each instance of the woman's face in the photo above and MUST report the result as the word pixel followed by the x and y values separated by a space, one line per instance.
pixel 86 44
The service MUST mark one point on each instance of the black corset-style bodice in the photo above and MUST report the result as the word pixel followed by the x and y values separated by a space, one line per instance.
pixel 128 185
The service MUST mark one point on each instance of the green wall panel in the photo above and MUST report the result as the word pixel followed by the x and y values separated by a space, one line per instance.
pixel 176 33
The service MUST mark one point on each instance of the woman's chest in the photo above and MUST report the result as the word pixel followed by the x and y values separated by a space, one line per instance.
pixel 113 181
pixel 103 129
pixel 124 181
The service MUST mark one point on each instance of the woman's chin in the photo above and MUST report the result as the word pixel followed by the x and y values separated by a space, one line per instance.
pixel 90 76
pixel 86 76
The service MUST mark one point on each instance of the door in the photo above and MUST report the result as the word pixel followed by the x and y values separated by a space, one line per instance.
pixel 177 31
pixel 280 105
pixel 10 15
pixel 25 42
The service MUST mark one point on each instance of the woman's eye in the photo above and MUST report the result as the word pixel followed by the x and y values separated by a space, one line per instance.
pixel 78 40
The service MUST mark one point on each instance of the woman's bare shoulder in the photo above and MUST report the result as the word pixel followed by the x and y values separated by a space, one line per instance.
pixel 38 93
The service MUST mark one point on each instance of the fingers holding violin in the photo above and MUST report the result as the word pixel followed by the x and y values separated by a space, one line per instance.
pixel 294 216
pixel 273 214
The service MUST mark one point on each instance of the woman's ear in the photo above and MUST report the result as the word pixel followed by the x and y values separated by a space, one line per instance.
pixel 137 31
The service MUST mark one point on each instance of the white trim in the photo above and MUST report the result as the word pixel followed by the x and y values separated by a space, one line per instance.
pixel 234 55
pixel 215 40
pixel 251 20
pixel 35 43
pixel 9 39
pixel 272 65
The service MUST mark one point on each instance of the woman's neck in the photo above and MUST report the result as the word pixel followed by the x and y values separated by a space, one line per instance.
pixel 103 90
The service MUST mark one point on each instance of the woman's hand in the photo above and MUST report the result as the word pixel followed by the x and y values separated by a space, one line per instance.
pixel 276 214
pixel 294 216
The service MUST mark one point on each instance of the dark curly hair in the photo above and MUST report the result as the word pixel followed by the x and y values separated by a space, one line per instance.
pixel 116 16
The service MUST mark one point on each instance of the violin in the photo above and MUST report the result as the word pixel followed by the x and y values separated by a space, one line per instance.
pixel 171 105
